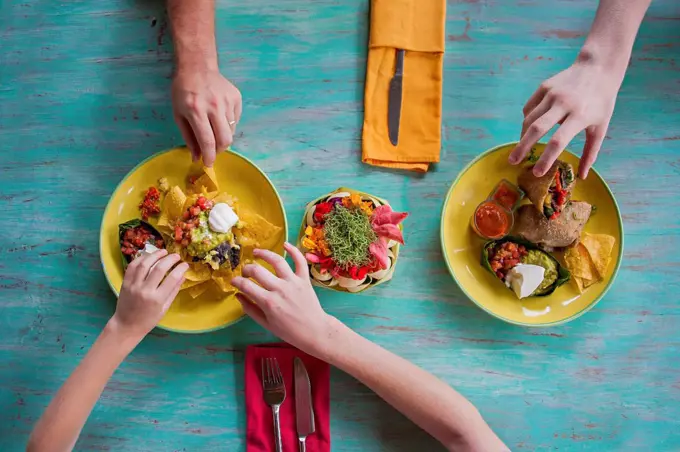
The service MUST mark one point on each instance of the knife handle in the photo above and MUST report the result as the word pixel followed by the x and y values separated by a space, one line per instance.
pixel 399 66
pixel 303 445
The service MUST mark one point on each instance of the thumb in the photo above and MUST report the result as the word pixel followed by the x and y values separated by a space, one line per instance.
pixel 252 310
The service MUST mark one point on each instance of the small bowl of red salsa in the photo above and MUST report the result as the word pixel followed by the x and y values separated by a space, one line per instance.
pixel 492 221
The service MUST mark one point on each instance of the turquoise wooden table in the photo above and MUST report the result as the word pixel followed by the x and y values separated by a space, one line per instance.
pixel 84 96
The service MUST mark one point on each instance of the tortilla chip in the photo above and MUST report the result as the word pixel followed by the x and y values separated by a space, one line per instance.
pixel 222 278
pixel 579 263
pixel 254 230
pixel 579 283
pixel 173 205
pixel 206 183
pixel 225 198
pixel 187 284
pixel 213 185
pixel 599 247
pixel 199 289
pixel 197 272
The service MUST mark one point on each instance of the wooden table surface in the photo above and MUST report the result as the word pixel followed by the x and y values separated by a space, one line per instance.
pixel 84 96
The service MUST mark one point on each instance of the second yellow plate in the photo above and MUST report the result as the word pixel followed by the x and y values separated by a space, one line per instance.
pixel 462 247
pixel 237 176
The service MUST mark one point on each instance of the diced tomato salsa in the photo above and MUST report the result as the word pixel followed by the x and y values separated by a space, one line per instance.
pixel 190 220
pixel 491 220
pixel 151 203
pixel 135 239
pixel 505 257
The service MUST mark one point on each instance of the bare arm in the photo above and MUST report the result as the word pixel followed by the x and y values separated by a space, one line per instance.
pixel 429 402
pixel 60 425
pixel 206 105
pixel 141 305
pixel 583 96
pixel 289 308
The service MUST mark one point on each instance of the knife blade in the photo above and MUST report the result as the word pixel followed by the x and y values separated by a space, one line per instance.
pixel 304 411
pixel 394 99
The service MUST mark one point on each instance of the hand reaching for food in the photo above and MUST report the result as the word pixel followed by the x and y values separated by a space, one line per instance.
pixel 149 287
pixel 285 303
pixel 207 108
pixel 581 97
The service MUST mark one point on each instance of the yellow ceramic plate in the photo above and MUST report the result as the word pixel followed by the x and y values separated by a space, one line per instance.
pixel 237 176
pixel 462 247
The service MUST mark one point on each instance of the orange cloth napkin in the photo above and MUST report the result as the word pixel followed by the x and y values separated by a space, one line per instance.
pixel 417 26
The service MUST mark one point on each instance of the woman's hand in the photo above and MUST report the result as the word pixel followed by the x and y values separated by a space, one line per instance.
pixel 147 293
pixel 580 97
pixel 207 108
pixel 285 303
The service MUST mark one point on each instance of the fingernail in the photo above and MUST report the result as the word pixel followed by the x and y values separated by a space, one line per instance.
pixel 538 171
pixel 512 159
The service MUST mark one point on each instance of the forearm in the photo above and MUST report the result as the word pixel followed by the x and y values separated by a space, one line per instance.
pixel 613 32
pixel 59 427
pixel 423 398
pixel 193 33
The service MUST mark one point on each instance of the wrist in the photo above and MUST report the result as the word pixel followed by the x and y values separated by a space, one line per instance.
pixel 329 343
pixel 604 60
pixel 197 61
pixel 126 338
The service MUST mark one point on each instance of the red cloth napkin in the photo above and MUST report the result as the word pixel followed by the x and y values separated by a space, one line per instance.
pixel 260 424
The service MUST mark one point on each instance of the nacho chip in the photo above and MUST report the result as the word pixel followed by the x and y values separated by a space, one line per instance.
pixel 205 183
pixel 173 205
pixel 197 272
pixel 188 284
pixel 599 247
pixel 199 289
pixel 222 278
pixel 213 185
pixel 579 283
pixel 578 262
pixel 254 230
pixel 225 198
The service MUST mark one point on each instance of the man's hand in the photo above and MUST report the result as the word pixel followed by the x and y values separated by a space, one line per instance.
pixel 207 108
pixel 284 304
pixel 580 97
pixel 147 293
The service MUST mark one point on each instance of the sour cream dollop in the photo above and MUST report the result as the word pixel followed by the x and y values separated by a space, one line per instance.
pixel 222 218
pixel 524 279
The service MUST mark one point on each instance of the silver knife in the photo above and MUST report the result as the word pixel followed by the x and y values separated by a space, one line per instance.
pixel 304 412
pixel 394 99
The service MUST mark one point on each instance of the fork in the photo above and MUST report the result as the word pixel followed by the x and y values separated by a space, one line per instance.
pixel 274 393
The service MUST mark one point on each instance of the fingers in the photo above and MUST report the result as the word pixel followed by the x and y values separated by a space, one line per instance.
pixel 301 267
pixel 222 131
pixel 173 278
pixel 560 139
pixel 204 137
pixel 251 290
pixel 238 111
pixel 534 114
pixel 140 266
pixel 279 264
pixel 252 310
pixel 160 269
pixel 594 138
pixel 172 294
pixel 535 132
pixel 535 99
pixel 231 120
pixel 189 138
pixel 263 276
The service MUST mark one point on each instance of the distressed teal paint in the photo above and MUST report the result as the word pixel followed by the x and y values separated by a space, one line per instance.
pixel 84 97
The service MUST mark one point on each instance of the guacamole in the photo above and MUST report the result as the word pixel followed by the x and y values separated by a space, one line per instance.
pixel 537 257
pixel 203 239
